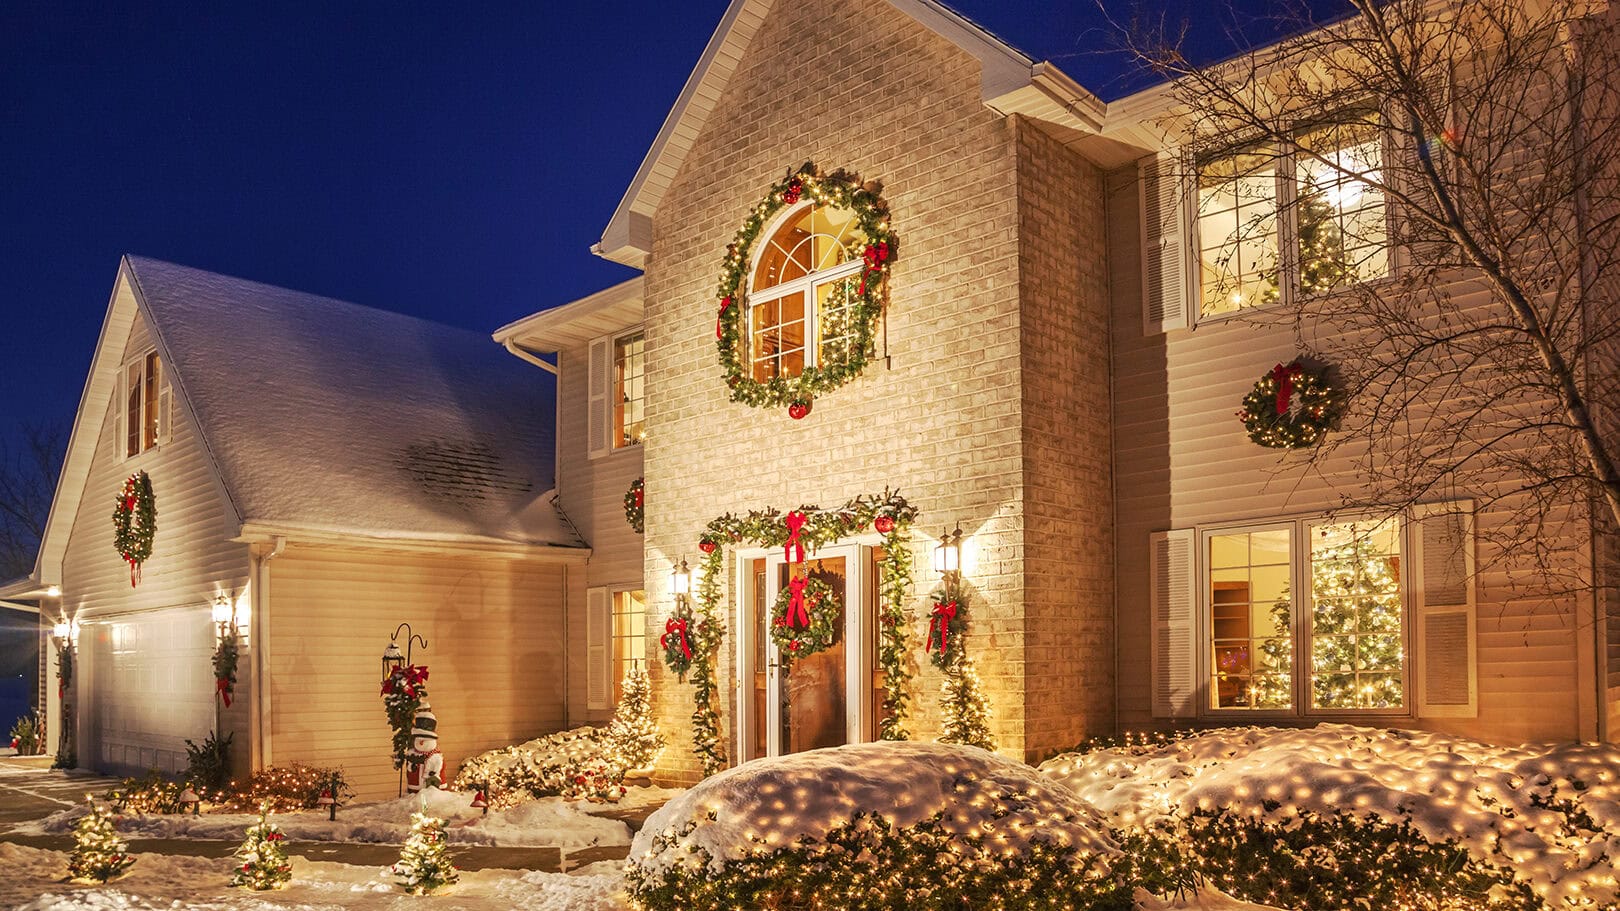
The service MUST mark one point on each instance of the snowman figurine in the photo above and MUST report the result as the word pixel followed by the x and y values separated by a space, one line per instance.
pixel 425 764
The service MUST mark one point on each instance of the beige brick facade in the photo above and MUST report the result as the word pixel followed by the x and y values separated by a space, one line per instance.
pixel 989 391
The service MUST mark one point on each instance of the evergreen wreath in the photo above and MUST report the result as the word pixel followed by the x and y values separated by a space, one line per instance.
pixel 676 641
pixel 134 523
pixel 635 504
pixel 839 189
pixel 800 634
pixel 1291 407
pixel 947 622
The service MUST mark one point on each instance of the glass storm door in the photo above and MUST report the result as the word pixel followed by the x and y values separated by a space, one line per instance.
pixel 821 700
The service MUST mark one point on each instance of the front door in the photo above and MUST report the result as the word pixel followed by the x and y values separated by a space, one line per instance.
pixel 816 701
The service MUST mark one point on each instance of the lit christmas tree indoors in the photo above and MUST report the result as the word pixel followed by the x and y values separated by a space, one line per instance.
pixel 1356 651
pixel 424 865
pixel 98 853
pixel 264 863
pixel 633 738
pixel 967 714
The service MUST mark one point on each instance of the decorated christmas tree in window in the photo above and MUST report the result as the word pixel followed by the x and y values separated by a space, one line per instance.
pixel 1356 650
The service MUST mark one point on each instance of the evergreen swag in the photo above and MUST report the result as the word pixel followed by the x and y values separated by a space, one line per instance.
pixel 134 523
pixel 226 654
pixel 424 864
pixel 1291 407
pixel 802 633
pixel 947 623
pixel 402 693
pixel 635 503
pixel 890 515
pixel 840 190
pixel 98 853
pixel 264 863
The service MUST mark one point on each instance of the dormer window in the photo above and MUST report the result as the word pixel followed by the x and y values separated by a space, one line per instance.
pixel 145 404
pixel 801 292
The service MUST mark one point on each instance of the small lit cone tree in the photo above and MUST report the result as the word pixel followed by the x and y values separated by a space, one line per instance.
pixel 264 863
pixel 424 865
pixel 98 853
pixel 967 714
pixel 633 738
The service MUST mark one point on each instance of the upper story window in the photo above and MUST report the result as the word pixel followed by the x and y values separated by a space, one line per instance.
pixel 144 403
pixel 802 290
pixel 1275 222
pixel 629 390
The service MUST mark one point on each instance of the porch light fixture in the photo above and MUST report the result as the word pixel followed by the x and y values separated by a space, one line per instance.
pixel 55 591
pixel 224 613
pixel 66 632
pixel 948 555
pixel 680 581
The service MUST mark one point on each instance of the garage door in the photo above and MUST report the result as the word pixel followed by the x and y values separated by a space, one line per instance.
pixel 151 688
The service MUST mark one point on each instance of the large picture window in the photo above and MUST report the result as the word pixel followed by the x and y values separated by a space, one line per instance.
pixel 1301 220
pixel 1346 626
pixel 801 292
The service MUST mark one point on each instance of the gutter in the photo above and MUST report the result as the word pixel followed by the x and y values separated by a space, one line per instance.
pixel 25 608
pixel 524 354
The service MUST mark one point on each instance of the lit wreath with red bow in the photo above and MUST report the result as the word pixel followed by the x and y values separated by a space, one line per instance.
pixel 635 501
pixel 877 246
pixel 677 642
pixel 805 618
pixel 135 523
pixel 947 622
pixel 1291 407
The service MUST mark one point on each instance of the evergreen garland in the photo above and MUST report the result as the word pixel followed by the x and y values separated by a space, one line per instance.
pixel 840 190
pixel 708 632
pixel 894 587
pixel 135 523
pixel 424 865
pixel 226 654
pixel 264 858
pixel 402 692
pixel 98 853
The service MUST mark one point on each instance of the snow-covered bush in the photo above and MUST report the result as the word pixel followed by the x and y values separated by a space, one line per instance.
pixel 876 826
pixel 575 763
pixel 1342 816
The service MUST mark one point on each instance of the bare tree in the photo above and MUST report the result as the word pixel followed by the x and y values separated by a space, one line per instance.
pixel 1475 328
pixel 29 463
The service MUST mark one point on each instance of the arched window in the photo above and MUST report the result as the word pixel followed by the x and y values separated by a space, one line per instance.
pixel 800 292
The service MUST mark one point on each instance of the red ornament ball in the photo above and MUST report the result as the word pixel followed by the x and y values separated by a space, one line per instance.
pixel 798 410
pixel 883 524
pixel 707 546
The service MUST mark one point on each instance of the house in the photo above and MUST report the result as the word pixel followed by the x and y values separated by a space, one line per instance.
pixel 322 472
pixel 1048 373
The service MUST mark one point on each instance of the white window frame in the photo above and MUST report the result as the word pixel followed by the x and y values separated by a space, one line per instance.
pixel 613 637
pixel 1286 188
pixel 1304 608
pixel 163 401
pixel 599 389
pixel 615 433
pixel 805 285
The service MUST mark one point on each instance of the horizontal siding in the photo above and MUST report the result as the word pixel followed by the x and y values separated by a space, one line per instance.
pixel 1182 460
pixel 592 492
pixel 192 558
pixel 494 654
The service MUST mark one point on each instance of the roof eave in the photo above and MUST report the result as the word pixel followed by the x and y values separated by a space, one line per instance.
pixel 548 331
pixel 254 532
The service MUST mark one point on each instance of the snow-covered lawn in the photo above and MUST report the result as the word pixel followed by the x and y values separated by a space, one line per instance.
pixel 1551 813
pixel 548 822
pixel 32 881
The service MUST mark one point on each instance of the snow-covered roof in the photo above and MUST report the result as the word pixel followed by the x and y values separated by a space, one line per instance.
pixel 333 417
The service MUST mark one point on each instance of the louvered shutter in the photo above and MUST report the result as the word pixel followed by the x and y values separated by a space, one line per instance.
pixel 1166 245
pixel 597 406
pixel 1406 177
pixel 120 408
pixel 1442 536
pixel 1174 664
pixel 165 415
pixel 598 634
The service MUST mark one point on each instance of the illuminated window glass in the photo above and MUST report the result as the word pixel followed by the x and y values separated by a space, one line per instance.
pixel 1251 619
pixel 629 636
pixel 629 390
pixel 1357 642
pixel 803 284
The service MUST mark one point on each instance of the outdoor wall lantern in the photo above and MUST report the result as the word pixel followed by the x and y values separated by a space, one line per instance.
pixel 66 633
pixel 224 613
pixel 55 591
pixel 948 555
pixel 680 581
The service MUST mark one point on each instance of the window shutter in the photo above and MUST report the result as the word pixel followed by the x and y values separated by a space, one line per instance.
pixel 597 420
pixel 1442 536
pixel 1406 177
pixel 165 409
pixel 1166 245
pixel 1175 630
pixel 598 629
pixel 120 408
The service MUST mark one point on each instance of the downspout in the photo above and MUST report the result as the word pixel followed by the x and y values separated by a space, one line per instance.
pixel 513 349
pixel 261 648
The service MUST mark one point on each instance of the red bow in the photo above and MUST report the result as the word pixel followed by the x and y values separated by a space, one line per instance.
pixel 794 520
pixel 797 616
pixel 1284 378
pixel 875 256
pixel 223 684
pixel 719 321
pixel 944 613
pixel 640 494
pixel 676 626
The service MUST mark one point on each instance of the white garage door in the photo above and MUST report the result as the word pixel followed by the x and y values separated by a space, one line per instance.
pixel 152 688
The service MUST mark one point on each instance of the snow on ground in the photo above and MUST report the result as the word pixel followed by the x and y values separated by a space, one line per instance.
pixel 1207 899
pixel 549 821
pixel 776 801
pixel 33 882
pixel 1482 795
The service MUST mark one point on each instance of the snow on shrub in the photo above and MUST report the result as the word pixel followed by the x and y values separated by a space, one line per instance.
pixel 575 763
pixel 1548 816
pixel 876 826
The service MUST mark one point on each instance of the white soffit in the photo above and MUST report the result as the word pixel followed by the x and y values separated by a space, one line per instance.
pixel 549 331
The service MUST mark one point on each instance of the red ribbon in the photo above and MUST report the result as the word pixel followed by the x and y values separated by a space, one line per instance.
pixel 223 684
pixel 1284 378
pixel 676 626
pixel 719 320
pixel 794 520
pixel 797 616
pixel 943 615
